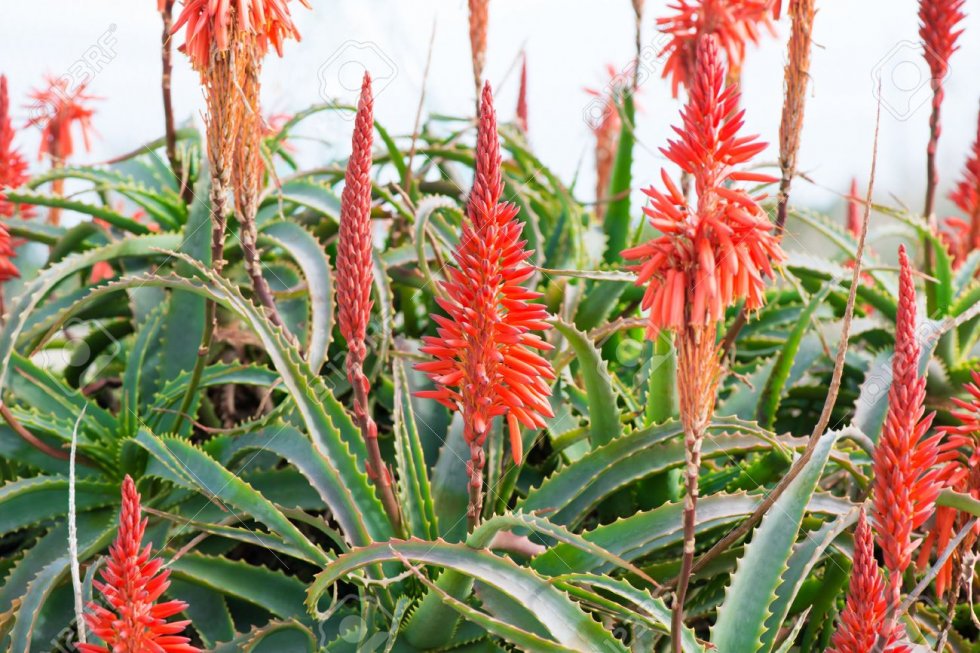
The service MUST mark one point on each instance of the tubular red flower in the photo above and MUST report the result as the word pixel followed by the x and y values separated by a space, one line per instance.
pixel 863 617
pixel 733 22
pixel 854 210
pixel 13 165
pixel 522 97
pixel 208 24
pixel 964 233
pixel 906 480
pixel 56 110
pixel 486 362
pixel 719 251
pixel 960 458
pixel 132 582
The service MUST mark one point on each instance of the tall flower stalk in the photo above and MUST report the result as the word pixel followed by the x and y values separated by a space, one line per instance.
pixel 709 256
pixel 906 481
pixel 605 127
pixel 522 96
pixel 797 73
pixel 354 281
pixel 132 584
pixel 487 363
pixel 864 616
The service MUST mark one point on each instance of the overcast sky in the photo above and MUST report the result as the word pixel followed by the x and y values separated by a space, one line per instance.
pixel 569 43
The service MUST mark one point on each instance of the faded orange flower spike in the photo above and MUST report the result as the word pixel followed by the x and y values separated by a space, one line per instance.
pixel 964 235
pixel 479 20
pixel 209 24
pixel 486 362
pixel 605 123
pixel 906 480
pixel 863 617
pixel 733 22
pixel 132 582
pixel 57 108
pixel 718 251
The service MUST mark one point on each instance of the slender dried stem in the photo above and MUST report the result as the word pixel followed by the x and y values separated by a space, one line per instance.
pixel 474 468
pixel 743 529
pixel 698 372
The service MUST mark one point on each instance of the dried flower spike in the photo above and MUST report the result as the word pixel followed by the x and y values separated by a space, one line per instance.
pixel 734 23
pixel 486 362
pixel 132 582
pixel 906 481
pixel 863 617
pixel 479 20
pixel 209 25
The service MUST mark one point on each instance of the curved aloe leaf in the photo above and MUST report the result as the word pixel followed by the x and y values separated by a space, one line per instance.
pixel 603 416
pixel 564 620
pixel 748 603
pixel 36 499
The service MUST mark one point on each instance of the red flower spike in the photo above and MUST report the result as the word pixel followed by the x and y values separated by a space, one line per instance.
pixel 733 22
pixel 960 457
pixel 486 362
pixel 57 109
pixel 131 584
pixel 13 165
pixel 354 266
pixel 863 617
pixel 209 25
pixel 522 97
pixel 906 480
pixel 964 235
pixel 938 32
pixel 719 251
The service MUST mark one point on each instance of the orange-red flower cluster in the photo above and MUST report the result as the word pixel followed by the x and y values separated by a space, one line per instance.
pixel 960 453
pixel 57 108
pixel 486 362
pixel 13 165
pixel 720 250
pixel 354 266
pixel 209 23
pixel 605 123
pixel 938 32
pixel 733 22
pixel 906 479
pixel 965 232
pixel 864 614
pixel 132 582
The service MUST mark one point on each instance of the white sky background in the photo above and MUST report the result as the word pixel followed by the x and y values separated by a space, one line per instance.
pixel 568 42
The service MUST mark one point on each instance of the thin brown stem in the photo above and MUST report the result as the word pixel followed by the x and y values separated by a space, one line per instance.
pixel 170 133
pixel 407 180
pixel 743 529
pixel 36 442
pixel 932 177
